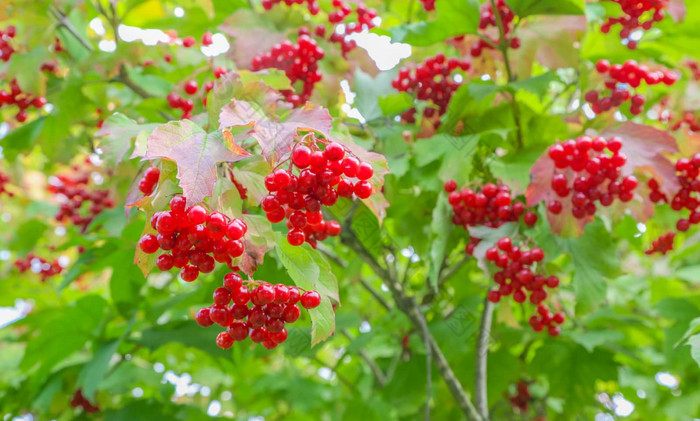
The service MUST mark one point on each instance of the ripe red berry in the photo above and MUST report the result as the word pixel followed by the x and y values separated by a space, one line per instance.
pixel 530 218
pixel 203 318
pixel 222 296
pixel 191 87
pixel 236 229
pixel 365 171
pixel 363 189
pixel 263 294
pixel 165 262
pixel 207 39
pixel 188 42
pixel 197 215
pixel 224 340
pixel 310 299
pixel 296 237
pixel 301 156
pixel 148 243
pixel 189 273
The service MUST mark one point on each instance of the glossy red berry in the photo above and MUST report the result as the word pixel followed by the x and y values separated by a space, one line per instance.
pixel 310 299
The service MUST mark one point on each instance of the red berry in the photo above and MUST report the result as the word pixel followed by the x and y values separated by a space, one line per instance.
pixel 310 299
pixel 149 244
pixel 203 318
pixel 191 87
pixel 301 156
pixel 224 340
pixel 189 273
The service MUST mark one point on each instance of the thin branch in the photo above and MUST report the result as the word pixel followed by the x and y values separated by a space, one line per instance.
pixel 376 371
pixel 444 276
pixel 482 352
pixel 64 22
pixel 409 307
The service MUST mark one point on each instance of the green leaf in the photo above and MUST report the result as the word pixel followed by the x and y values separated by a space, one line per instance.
pixel 538 85
pixel 455 17
pixel 27 235
pixel 116 134
pixel 594 258
pixel 368 90
pixel 525 8
pixel 30 82
pixel 395 103
pixel 93 372
pixel 304 269
pixel 21 138
pixel 694 343
pixel 592 339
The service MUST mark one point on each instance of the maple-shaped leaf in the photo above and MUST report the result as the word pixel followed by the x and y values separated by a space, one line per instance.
pixel 115 136
pixel 646 148
pixel 196 154
pixel 275 136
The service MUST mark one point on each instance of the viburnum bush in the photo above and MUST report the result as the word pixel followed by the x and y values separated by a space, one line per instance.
pixel 343 210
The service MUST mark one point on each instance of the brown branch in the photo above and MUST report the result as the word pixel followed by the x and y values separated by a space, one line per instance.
pixel 64 22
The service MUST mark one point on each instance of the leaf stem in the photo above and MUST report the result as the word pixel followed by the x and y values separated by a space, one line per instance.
pixel 64 22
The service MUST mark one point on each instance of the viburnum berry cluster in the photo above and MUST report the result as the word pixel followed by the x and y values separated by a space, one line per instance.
pixel 589 171
pixel 80 201
pixel 544 318
pixel 254 309
pixel 6 48
pixel 517 276
pixel 321 177
pixel 490 205
pixel 489 20
pixel 312 5
pixel 149 180
pixel 619 78
pixel 299 62
pixel 638 15
pixel 662 245
pixel 42 267
pixel 80 401
pixel 4 180
pixel 175 101
pixel 364 22
pixel 434 81
pixel 21 99
pixel 194 239
pixel 521 399
pixel 688 120
pixel 687 197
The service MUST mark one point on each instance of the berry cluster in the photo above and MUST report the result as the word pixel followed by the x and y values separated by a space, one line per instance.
pixel 489 19
pixel 149 180
pixel 619 77
pixel 259 310
pixel 323 176
pixel 191 88
pixel 688 196
pixel 80 203
pixel 21 99
pixel 490 205
pixel 594 165
pixel 662 245
pixel 79 401
pixel 38 265
pixel 545 318
pixel 634 12
pixel 4 180
pixel 312 5
pixel 6 49
pixel 298 61
pixel 521 400
pixel 364 22
pixel 689 120
pixel 194 239
pixel 433 81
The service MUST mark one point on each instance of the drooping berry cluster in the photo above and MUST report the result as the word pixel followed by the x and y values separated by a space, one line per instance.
pixel 80 401
pixel 299 62
pixel 312 5
pixel 434 81
pixel 42 267
pixel 149 180
pixel 521 399
pixel 21 99
pixel 194 239
pixel 687 197
pixel 6 48
pixel 80 200
pixel 175 101
pixel 619 78
pixel 254 309
pixel 4 180
pixel 545 318
pixel 323 176
pixel 490 205
pixel 638 15
pixel 589 172
pixel 490 20
pixel 688 120
pixel 662 245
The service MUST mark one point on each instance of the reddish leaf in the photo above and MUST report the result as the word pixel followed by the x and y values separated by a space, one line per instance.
pixel 258 240
pixel 196 154
pixel 251 36
pixel 115 136
pixel 677 10
pixel 646 148
pixel 275 137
